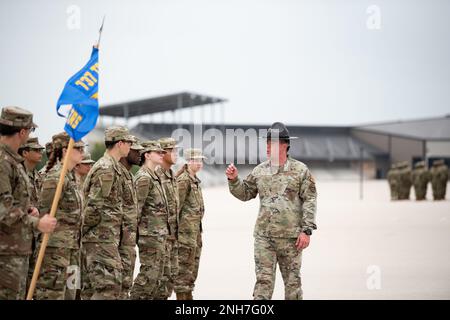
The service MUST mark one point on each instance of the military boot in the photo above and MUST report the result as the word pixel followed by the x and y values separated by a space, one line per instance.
pixel 184 296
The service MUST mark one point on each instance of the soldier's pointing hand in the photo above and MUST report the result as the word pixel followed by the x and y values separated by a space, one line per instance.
pixel 231 172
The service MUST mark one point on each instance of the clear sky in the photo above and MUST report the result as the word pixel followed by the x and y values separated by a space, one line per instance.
pixel 300 62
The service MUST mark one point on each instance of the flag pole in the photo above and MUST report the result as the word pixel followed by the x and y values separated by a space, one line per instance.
pixel 55 202
pixel 100 32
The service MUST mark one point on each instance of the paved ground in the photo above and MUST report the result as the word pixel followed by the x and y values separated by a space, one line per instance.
pixel 369 249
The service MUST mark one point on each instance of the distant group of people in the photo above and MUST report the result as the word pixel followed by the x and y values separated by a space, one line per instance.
pixel 401 178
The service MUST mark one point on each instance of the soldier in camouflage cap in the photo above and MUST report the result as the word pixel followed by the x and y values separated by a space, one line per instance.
pixel 439 179
pixel 153 228
pixel 102 221
pixel 287 213
pixel 127 246
pixel 405 180
pixel 169 183
pixel 190 229
pixel 393 180
pixel 420 178
pixel 60 271
pixel 82 169
pixel 31 151
pixel 18 218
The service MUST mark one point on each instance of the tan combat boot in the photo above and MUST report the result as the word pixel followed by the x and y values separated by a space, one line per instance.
pixel 181 296
pixel 184 296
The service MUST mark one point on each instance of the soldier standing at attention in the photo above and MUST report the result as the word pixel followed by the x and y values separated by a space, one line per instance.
pixel 287 213
pixel 169 183
pixel 59 275
pixel 405 180
pixel 190 230
pixel 439 178
pixel 153 224
pixel 82 169
pixel 127 245
pixel 31 151
pixel 101 271
pixel 392 178
pixel 420 178
pixel 17 218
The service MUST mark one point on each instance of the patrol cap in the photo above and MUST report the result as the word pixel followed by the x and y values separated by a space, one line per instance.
pixel 136 146
pixel 151 145
pixel 419 164
pixel 438 162
pixel 402 164
pixel 193 154
pixel 17 117
pixel 87 159
pixel 114 134
pixel 168 143
pixel 61 140
pixel 32 143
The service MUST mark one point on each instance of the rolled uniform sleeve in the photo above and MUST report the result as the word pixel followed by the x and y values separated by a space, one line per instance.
pixel 183 190
pixel 244 190
pixel 11 211
pixel 142 185
pixel 308 196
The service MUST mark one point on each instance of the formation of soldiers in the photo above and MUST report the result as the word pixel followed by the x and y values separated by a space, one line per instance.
pixel 401 178
pixel 102 214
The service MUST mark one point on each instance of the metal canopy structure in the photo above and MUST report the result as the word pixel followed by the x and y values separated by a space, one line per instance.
pixel 171 102
pixel 420 129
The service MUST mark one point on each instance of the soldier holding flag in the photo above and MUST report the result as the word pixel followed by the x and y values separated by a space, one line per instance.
pixel 17 218
pixel 64 245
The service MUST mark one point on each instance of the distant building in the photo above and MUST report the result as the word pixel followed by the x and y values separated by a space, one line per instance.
pixel 333 152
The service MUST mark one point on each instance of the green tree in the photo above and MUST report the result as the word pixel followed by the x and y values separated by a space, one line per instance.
pixel 97 151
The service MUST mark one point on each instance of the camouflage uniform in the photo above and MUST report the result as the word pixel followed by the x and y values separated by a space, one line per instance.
pixel 35 184
pixel 101 270
pixel 439 178
pixel 127 246
pixel 153 230
pixel 288 207
pixel 80 182
pixel 393 179
pixel 420 178
pixel 190 244
pixel 16 225
pixel 59 275
pixel 169 183
pixel 405 180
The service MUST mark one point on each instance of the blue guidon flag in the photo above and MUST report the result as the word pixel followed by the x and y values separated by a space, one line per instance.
pixel 78 102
